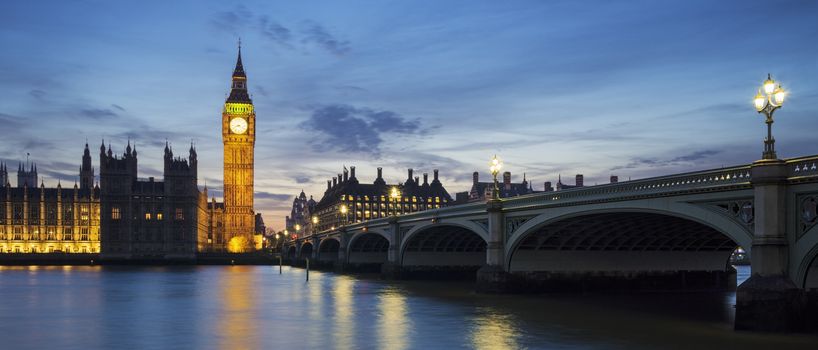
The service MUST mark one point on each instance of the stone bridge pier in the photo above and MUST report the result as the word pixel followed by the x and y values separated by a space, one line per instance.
pixel 769 300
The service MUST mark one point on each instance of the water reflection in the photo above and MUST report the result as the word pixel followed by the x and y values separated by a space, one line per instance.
pixel 344 323
pixel 237 327
pixel 493 330
pixel 393 325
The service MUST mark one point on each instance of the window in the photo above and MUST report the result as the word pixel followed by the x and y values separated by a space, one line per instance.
pixel 148 216
pixel 67 234
pixel 84 234
pixel 159 216
pixel 116 214
pixel 18 233
pixel 84 216
pixel 180 215
pixel 51 234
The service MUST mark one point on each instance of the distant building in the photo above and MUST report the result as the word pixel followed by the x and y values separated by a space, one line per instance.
pixel 42 220
pixel 579 181
pixel 300 213
pixel 260 227
pixel 482 191
pixel 146 218
pixel 370 201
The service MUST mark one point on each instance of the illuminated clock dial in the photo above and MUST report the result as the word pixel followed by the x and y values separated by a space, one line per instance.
pixel 238 125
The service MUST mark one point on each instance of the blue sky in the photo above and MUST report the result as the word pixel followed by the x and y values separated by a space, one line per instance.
pixel 627 88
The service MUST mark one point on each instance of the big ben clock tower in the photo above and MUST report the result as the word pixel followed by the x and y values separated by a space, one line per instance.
pixel 239 137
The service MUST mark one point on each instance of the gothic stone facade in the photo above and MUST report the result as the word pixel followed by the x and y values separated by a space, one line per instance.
pixel 49 220
pixel 148 219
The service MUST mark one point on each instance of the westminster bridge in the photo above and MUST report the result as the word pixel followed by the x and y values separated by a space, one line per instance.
pixel 675 231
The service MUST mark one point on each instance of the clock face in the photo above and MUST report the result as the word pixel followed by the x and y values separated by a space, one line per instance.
pixel 238 125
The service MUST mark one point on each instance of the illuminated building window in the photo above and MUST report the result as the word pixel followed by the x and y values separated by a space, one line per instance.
pixel 159 216
pixel 147 216
pixel 179 214
pixel 67 234
pixel 84 216
pixel 51 234
pixel 116 214
pixel 84 234
pixel 18 233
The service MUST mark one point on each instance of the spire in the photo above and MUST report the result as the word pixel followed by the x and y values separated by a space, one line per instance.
pixel 128 148
pixel 239 70
pixel 238 93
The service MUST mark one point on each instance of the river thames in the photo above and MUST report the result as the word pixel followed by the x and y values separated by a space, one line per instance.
pixel 253 307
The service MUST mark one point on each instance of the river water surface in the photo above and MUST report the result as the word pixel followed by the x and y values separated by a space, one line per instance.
pixel 253 307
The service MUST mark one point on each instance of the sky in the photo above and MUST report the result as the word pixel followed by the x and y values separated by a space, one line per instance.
pixel 628 88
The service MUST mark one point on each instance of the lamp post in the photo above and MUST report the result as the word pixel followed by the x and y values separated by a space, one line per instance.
pixel 344 209
pixel 297 230
pixel 394 194
pixel 494 166
pixel 767 103
pixel 314 223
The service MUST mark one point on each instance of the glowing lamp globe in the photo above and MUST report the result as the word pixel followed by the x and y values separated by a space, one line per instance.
pixel 759 101
pixel 778 95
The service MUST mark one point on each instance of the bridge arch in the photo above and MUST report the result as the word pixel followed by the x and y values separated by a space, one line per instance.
pixel 328 249
pixel 444 244
pixel 306 251
pixel 726 226
pixel 368 247
pixel 806 253
pixel 292 254
pixel 626 240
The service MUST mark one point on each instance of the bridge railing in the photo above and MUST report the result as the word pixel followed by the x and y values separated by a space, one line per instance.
pixel 802 167
pixel 704 180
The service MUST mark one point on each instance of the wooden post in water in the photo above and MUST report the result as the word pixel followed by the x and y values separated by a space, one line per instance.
pixel 308 269
pixel 279 264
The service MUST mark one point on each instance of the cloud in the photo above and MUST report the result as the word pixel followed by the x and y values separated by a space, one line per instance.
pixel 315 33
pixel 273 196
pixel 358 130
pixel 274 31
pixel 37 94
pixel 302 179
pixel 654 163
pixel 98 113
pixel 232 21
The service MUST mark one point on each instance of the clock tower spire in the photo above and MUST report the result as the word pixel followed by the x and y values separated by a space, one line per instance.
pixel 239 138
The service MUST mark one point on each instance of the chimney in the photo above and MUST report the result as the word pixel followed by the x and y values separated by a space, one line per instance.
pixel 380 172
pixel 410 174
pixel 346 175
pixel 475 177
pixel 425 178
pixel 579 180
pixel 334 181
pixel 435 175
pixel 340 177
pixel 614 179
pixel 547 186
pixel 417 179
pixel 352 172
pixel 507 180
pixel 329 184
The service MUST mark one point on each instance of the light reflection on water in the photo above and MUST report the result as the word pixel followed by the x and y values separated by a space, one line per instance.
pixel 253 307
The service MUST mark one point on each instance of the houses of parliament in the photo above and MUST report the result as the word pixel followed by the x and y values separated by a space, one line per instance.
pixel 124 217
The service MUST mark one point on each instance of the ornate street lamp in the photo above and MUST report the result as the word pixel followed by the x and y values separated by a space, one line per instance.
pixel 767 103
pixel 315 223
pixel 344 209
pixel 394 193
pixel 494 166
